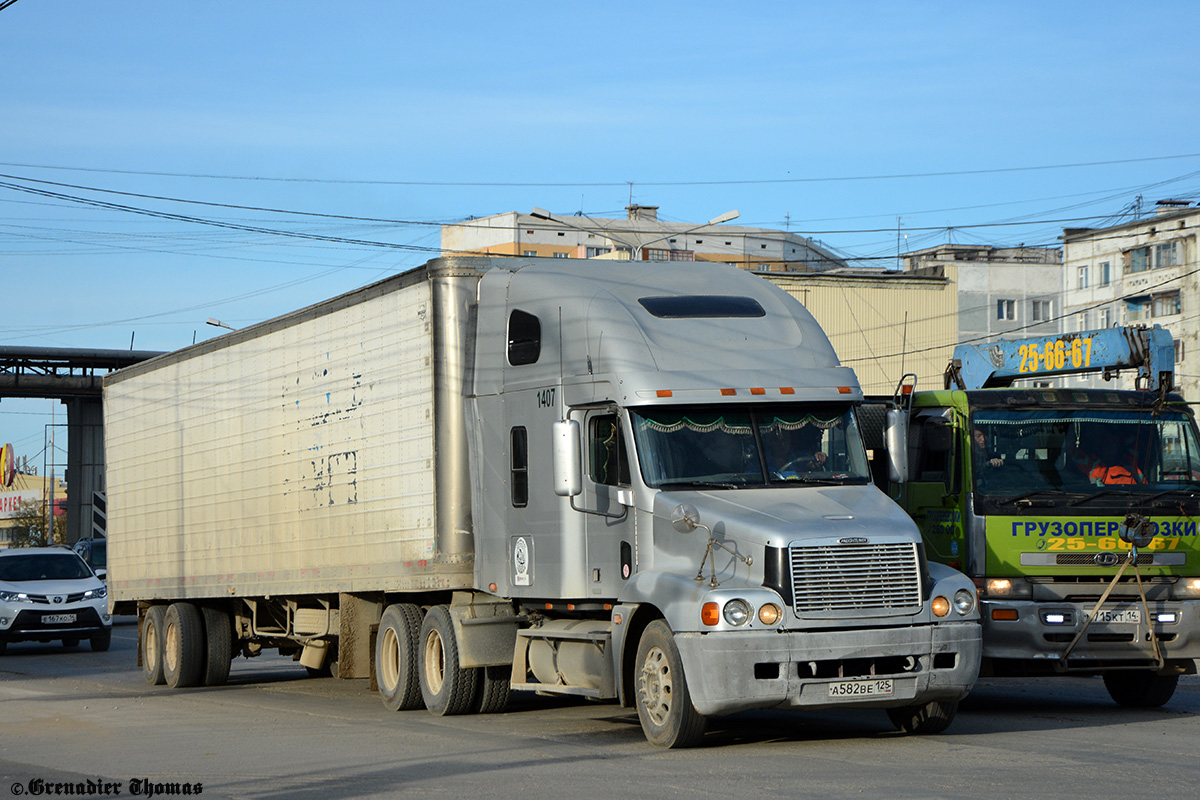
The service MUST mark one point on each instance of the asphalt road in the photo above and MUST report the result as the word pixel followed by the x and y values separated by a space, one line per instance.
pixel 273 732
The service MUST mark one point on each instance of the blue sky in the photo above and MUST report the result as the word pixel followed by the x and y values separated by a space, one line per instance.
pixel 797 114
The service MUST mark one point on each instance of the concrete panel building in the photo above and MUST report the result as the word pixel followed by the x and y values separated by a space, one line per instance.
pixel 640 234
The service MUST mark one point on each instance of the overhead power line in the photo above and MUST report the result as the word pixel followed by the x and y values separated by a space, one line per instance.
pixel 586 184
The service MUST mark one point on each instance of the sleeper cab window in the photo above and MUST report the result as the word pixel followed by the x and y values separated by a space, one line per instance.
pixel 524 338
pixel 519 450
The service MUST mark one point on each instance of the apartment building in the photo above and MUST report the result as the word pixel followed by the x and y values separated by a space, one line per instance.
pixel 1139 273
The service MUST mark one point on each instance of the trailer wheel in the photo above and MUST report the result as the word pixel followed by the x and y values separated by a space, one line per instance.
pixel 152 645
pixel 447 687
pixel 1140 688
pixel 396 647
pixel 183 645
pixel 663 702
pixel 101 641
pixel 932 717
pixel 492 691
pixel 218 641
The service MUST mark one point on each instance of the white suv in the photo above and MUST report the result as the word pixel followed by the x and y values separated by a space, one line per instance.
pixel 49 593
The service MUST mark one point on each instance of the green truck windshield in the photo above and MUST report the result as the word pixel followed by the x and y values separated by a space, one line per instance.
pixel 1029 456
pixel 736 447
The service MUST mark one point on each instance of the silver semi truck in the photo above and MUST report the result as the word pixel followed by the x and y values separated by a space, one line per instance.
pixel 626 481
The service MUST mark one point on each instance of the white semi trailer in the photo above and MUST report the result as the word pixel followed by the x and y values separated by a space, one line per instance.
pixel 626 481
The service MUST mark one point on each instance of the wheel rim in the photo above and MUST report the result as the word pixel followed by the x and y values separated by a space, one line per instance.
pixel 151 655
pixel 654 686
pixel 389 663
pixel 170 648
pixel 435 662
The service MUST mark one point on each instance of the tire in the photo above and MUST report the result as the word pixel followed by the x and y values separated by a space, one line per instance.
pixel 152 645
pixel 101 641
pixel 218 650
pixel 492 690
pixel 664 704
pixel 447 688
pixel 396 648
pixel 928 718
pixel 70 642
pixel 1140 688
pixel 183 645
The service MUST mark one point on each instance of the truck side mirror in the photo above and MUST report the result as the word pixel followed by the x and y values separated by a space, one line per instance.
pixel 568 459
pixel 895 437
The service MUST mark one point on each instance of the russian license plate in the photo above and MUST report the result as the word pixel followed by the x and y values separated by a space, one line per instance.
pixel 1119 615
pixel 860 688
pixel 57 619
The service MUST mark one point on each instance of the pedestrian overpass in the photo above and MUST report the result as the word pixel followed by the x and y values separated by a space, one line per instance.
pixel 75 377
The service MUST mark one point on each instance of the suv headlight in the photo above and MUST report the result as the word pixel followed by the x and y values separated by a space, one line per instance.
pixel 96 594
pixel 15 597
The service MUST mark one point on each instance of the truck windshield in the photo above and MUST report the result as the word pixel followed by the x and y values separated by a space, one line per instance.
pixel 736 447
pixel 1030 455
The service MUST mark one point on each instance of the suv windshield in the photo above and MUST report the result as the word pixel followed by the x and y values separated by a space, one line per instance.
pixel 736 446
pixel 1083 452
pixel 63 566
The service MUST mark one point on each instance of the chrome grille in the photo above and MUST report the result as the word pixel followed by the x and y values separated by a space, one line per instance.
pixel 855 577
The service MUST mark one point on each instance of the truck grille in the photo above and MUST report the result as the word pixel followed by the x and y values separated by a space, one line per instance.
pixel 855 577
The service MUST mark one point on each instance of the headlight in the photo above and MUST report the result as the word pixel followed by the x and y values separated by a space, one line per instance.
pixel 736 612
pixel 964 601
pixel 15 597
pixel 1186 589
pixel 1007 588
pixel 96 594
pixel 940 606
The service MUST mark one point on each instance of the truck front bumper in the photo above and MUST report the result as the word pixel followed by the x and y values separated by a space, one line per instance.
pixel 1043 630
pixel 732 671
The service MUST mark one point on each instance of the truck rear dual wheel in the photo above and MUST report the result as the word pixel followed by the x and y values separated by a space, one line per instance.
pixel 1141 688
pixel 396 648
pixel 152 645
pixel 926 718
pixel 446 687
pixel 197 646
pixel 664 703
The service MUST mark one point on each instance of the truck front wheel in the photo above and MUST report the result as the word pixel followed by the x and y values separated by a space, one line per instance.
pixel 445 685
pixel 152 645
pixel 1140 688
pixel 932 717
pixel 183 645
pixel 396 647
pixel 663 702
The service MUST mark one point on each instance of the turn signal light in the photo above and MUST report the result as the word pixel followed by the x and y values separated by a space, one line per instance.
pixel 710 614
pixel 941 606
pixel 769 614
pixel 1004 614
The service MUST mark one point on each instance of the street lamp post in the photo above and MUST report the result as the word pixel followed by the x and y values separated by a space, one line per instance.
pixel 635 250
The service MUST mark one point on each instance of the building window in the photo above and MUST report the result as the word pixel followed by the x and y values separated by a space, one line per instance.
pixel 1006 309
pixel 1166 304
pixel 1105 315
pixel 763 246
pixel 1081 321
pixel 562 255
pixel 1105 273
pixel 1041 310
pixel 655 254
pixel 562 233
pixel 1083 278
pixel 519 473
pixel 699 241
pixel 532 253
pixel 1137 259
pixel 592 252
pixel 1179 350
pixel 1166 255
pixel 1137 308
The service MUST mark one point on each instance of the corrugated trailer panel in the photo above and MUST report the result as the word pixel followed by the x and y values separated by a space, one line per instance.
pixel 297 459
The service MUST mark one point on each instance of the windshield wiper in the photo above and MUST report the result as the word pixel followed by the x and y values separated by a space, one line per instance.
pixel 1102 493
pixel 1027 497
pixel 707 484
